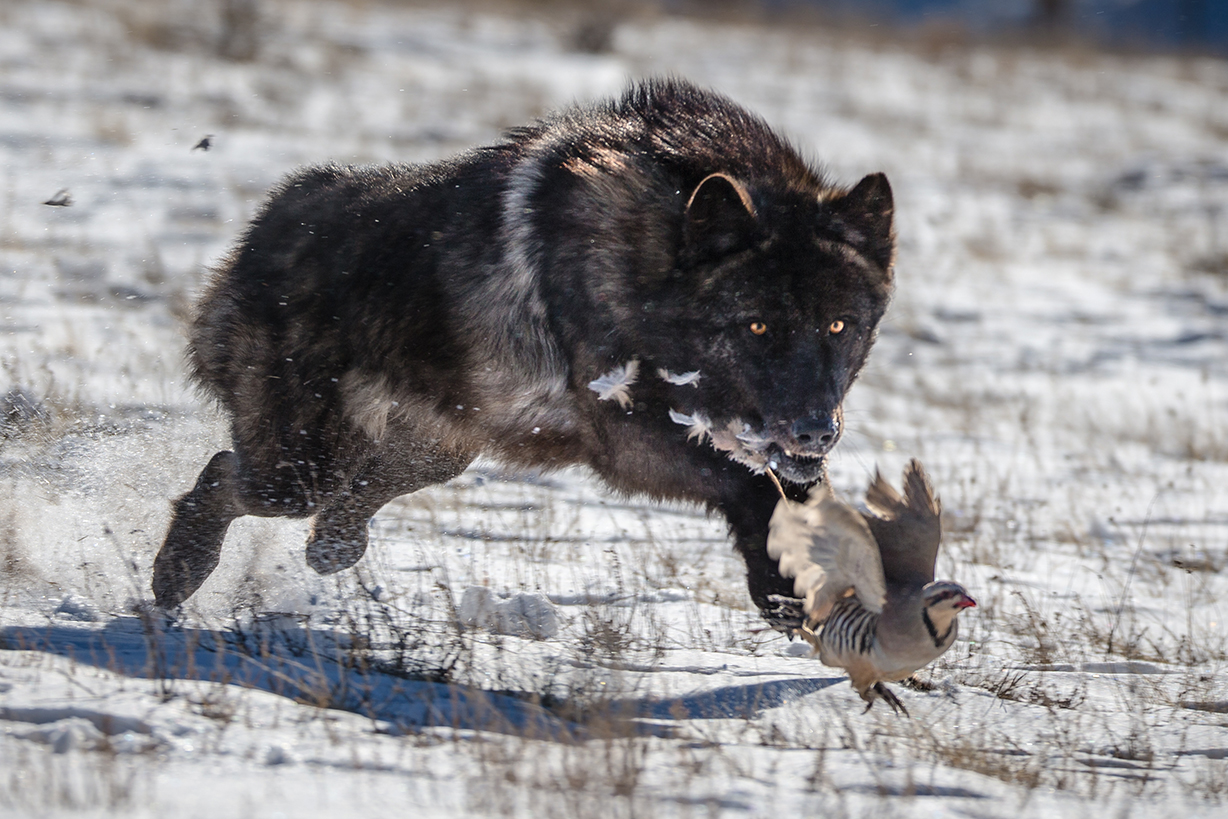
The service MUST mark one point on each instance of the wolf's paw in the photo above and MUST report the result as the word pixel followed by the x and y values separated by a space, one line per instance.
pixel 785 614
pixel 332 556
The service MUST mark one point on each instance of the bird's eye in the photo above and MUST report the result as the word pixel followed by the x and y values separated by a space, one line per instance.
pixel 758 328
pixel 836 327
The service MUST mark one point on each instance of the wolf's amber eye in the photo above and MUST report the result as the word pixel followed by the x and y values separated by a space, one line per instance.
pixel 758 328
pixel 836 327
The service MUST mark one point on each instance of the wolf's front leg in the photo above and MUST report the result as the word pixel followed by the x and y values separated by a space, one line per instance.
pixel 748 514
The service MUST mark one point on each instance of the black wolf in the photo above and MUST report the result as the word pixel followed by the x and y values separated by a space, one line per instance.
pixel 658 287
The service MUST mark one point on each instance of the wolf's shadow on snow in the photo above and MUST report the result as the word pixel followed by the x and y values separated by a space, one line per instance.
pixel 316 666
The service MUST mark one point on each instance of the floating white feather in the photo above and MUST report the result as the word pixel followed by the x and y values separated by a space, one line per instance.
pixel 698 425
pixel 616 384
pixel 682 380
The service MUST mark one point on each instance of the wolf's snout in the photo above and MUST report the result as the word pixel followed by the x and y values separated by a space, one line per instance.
pixel 814 434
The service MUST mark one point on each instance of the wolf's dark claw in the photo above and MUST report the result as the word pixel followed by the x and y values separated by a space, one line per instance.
pixel 786 614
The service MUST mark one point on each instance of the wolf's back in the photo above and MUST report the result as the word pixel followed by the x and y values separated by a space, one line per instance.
pixel 236 325
pixel 340 262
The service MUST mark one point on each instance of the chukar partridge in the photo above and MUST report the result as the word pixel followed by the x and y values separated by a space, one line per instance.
pixel 866 580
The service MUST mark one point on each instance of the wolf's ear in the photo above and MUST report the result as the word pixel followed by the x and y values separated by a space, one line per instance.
pixel 865 215
pixel 720 219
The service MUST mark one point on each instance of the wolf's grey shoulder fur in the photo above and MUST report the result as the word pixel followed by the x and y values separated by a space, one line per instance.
pixel 661 135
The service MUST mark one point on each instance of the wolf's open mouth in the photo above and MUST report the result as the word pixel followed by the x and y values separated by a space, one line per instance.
pixel 798 467
pixel 737 440
pixel 797 456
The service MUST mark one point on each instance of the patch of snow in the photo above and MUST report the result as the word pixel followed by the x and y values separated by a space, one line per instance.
pixel 520 614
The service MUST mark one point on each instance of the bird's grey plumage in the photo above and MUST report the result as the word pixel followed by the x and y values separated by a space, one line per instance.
pixel 867 580
pixel 827 548
pixel 908 530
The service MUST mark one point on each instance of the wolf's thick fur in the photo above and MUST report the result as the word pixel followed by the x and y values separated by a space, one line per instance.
pixel 658 287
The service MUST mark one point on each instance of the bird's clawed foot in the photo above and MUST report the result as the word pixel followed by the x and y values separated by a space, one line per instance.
pixel 882 692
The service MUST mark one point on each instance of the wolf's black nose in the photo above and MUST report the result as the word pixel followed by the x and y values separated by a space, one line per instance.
pixel 815 433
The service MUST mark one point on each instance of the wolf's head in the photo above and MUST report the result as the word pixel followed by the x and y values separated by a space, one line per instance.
pixel 768 315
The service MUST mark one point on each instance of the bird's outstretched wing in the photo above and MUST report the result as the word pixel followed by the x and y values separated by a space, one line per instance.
pixel 828 550
pixel 907 529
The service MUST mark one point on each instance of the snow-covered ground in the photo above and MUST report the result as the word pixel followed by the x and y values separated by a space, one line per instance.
pixel 1057 355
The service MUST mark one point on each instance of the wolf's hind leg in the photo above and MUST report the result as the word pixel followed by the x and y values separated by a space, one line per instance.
pixel 193 544
pixel 339 535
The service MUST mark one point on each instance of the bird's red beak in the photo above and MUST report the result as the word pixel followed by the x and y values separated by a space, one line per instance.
pixel 966 603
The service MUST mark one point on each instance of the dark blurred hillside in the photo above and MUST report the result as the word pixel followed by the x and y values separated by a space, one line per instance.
pixel 1173 26
pixel 1164 25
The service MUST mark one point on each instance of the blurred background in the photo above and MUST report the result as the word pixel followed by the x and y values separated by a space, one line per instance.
pixel 1190 25
pixel 1175 26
